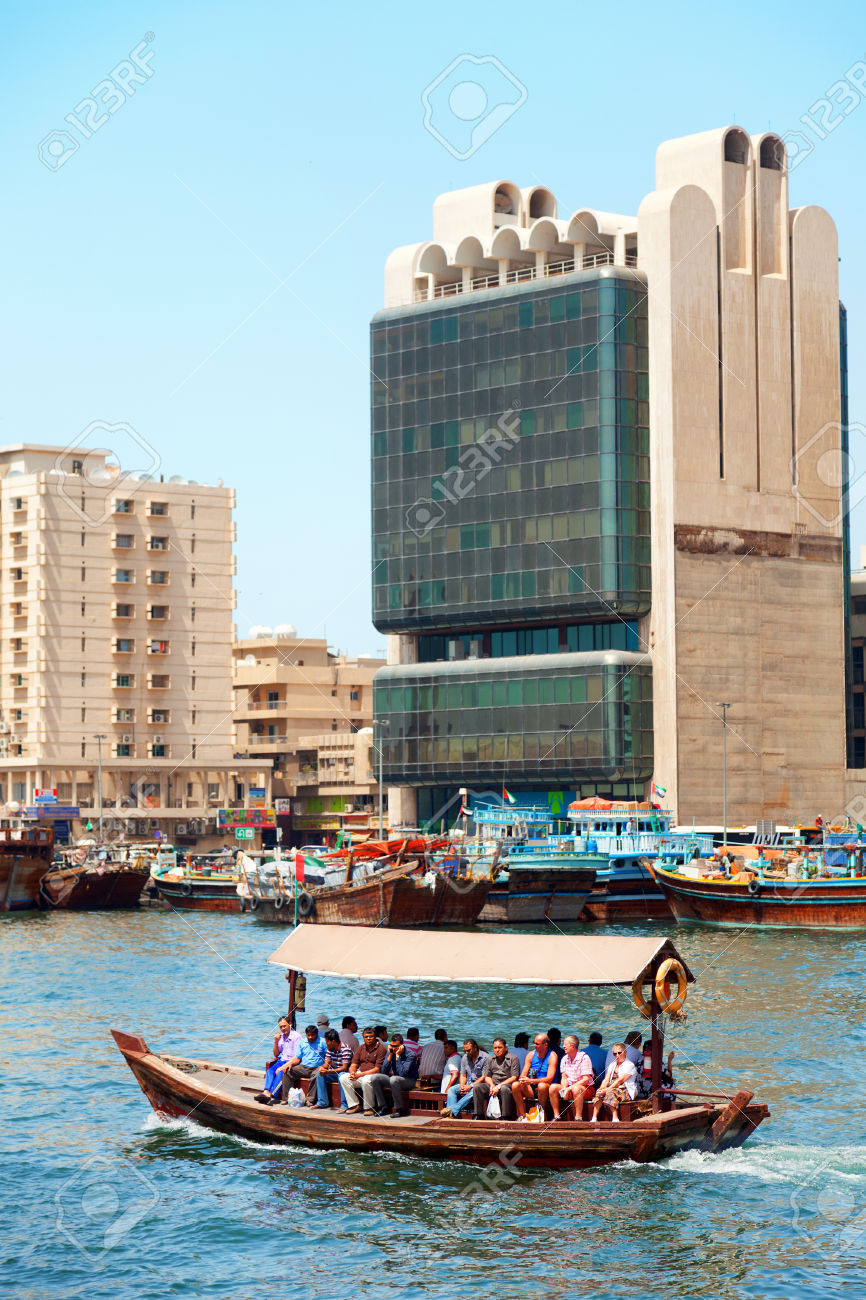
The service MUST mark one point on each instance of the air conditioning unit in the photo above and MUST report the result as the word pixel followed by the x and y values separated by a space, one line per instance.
pixel 4 727
pixel 126 740
pixel 181 828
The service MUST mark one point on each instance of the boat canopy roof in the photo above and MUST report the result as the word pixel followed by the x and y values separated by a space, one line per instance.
pixel 370 952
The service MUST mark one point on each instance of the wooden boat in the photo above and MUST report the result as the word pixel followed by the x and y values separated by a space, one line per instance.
pixel 539 891
pixel 201 891
pixel 221 1097
pixel 399 895
pixel 25 856
pixel 93 887
pixel 829 902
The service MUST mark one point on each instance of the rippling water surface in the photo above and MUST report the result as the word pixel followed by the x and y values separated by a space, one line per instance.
pixel 103 1200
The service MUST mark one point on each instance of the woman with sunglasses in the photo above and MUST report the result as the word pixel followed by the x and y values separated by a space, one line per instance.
pixel 619 1084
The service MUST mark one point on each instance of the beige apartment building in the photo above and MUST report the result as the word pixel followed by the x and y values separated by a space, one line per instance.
pixel 308 711
pixel 116 593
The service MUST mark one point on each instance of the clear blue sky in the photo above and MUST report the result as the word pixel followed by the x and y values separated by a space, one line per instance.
pixel 277 142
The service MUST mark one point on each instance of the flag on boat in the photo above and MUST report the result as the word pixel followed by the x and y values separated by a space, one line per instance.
pixel 658 793
pixel 508 797
pixel 299 868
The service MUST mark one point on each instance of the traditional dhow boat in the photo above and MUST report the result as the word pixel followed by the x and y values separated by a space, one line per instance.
pixel 25 856
pixel 93 886
pixel 399 895
pixel 221 1097
pixel 761 892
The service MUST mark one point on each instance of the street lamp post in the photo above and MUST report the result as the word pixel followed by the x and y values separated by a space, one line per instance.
pixel 724 706
pixel 99 737
pixel 381 723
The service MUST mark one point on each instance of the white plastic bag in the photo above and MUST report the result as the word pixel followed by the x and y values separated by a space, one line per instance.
pixel 494 1110
pixel 296 1097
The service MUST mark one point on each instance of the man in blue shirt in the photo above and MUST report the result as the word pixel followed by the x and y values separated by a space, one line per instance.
pixel 311 1054
pixel 596 1054
pixel 399 1072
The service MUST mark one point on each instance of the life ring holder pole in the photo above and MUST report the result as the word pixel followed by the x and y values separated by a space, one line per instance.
pixel 656 1047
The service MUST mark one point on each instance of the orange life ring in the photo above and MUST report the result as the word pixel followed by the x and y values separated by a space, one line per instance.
pixel 637 993
pixel 668 968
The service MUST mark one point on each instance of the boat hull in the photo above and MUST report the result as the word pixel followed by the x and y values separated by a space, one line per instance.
pixel 221 1098
pixel 199 894
pixel 626 893
pixel 390 899
pixel 77 891
pixel 539 894
pixel 24 860
pixel 817 904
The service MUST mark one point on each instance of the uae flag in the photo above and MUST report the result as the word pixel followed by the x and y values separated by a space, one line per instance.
pixel 509 798
pixel 299 868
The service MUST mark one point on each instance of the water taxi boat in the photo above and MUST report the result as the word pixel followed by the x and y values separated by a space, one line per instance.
pixel 25 856
pixel 813 888
pixel 199 888
pixel 222 1097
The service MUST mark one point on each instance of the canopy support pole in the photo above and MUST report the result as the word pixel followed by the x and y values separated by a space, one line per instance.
pixel 657 1048
pixel 292 977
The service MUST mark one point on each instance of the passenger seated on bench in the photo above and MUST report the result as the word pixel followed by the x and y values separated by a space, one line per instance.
pixel 451 1070
pixel 619 1084
pixel 521 1047
pixel 338 1057
pixel 412 1041
pixel 310 1055
pixel 538 1073
pixel 286 1044
pixel 432 1061
pixel 366 1061
pixel 576 1076
pixel 632 1050
pixel 503 1071
pixel 597 1055
pixel 399 1072
pixel 473 1066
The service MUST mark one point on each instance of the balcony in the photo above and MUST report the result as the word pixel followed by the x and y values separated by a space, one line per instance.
pixel 566 266
pixel 259 706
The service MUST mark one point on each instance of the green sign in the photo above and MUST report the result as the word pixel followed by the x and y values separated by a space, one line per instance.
pixel 244 833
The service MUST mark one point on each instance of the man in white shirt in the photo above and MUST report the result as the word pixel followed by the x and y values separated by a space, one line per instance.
pixel 619 1084
pixel 452 1065
pixel 349 1032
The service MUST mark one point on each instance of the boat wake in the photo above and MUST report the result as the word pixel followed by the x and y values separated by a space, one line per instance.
pixel 158 1127
pixel 768 1162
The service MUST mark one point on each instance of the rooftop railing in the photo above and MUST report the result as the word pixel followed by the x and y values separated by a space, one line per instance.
pixel 520 274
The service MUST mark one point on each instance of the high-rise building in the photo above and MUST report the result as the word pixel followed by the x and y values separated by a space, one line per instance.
pixel 607 494
pixel 116 665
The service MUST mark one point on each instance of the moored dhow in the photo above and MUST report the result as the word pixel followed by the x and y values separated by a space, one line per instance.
pixel 222 1097
pixel 25 856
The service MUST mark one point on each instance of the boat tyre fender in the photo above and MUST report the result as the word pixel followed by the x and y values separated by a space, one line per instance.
pixel 671 969
pixel 306 903
pixel 637 993
pixel 186 889
pixel 253 902
pixel 278 904
pixel 754 887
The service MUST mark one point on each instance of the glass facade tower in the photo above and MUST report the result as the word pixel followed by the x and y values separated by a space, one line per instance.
pixel 511 525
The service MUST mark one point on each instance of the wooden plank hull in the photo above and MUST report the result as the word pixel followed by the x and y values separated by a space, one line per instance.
pixel 79 891
pixel 815 904
pixel 536 894
pixel 622 900
pixel 199 894
pixel 25 856
pixel 221 1098
pixel 393 898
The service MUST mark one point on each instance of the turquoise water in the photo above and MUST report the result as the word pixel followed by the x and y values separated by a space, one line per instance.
pixel 103 1200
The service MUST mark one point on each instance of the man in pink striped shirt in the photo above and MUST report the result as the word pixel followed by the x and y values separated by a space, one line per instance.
pixel 576 1079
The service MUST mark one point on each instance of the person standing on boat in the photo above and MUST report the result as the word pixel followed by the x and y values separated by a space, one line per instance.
pixel 503 1071
pixel 538 1073
pixel 577 1077
pixel 473 1067
pixel 287 1042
